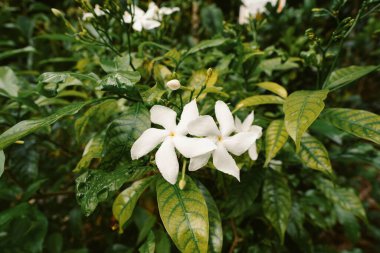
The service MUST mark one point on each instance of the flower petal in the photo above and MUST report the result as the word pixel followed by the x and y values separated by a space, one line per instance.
pixel 137 26
pixel 149 139
pixel 192 147
pixel 224 162
pixel 239 143
pixel 257 130
pixel 203 126
pixel 163 116
pixel 238 125
pixel 168 11
pixel 152 12
pixel 167 162
pixel 127 17
pixel 252 151
pixel 225 118
pixel 248 122
pixel 150 24
pixel 190 113
pixel 199 161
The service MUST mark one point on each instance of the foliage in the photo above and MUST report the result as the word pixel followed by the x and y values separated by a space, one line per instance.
pixel 76 94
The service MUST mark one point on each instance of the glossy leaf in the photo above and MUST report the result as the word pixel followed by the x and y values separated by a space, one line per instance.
pixel 95 186
pixel 2 162
pixel 123 132
pixel 8 82
pixel 125 202
pixel 26 127
pixel 344 76
pixel 259 100
pixel 346 198
pixel 274 87
pixel 184 214
pixel 93 150
pixel 206 44
pixel 215 242
pixel 277 201
pixel 122 83
pixel 10 53
pixel 275 138
pixel 361 123
pixel 301 109
pixel 242 195
pixel 314 155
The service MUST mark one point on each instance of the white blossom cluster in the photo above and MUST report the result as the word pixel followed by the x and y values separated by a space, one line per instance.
pixel 208 139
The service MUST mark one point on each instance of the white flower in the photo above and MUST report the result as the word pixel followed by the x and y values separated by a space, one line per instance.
pixel 142 20
pixel 246 126
pixel 236 144
pixel 173 84
pixel 98 12
pixel 147 20
pixel 173 137
pixel 254 7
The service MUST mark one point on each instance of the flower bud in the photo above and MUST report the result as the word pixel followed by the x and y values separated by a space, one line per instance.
pixel 182 184
pixel 57 12
pixel 173 84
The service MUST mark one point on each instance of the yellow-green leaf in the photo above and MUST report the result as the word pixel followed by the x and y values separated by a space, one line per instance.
pixel 274 87
pixel 259 100
pixel 2 162
pixel 275 138
pixel 344 76
pixel 184 214
pixel 361 123
pixel 277 201
pixel 125 202
pixel 314 155
pixel 301 109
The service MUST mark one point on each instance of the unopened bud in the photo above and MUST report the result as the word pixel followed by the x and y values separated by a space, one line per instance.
pixel 209 72
pixel 173 84
pixel 57 12
pixel 182 184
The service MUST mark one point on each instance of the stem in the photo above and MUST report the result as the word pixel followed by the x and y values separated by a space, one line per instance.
pixel 184 169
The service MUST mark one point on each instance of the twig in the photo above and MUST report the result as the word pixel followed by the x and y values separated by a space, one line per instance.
pixel 237 238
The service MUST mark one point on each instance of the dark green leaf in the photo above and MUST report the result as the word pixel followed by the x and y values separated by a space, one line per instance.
pixel 2 162
pixel 277 202
pixel 206 44
pixel 122 83
pixel 95 186
pixel 150 245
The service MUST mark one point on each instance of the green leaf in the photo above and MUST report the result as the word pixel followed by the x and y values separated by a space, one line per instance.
pixel 344 76
pixel 277 201
pixel 275 138
pixel 122 83
pixel 93 150
pixel 48 83
pixel 10 53
pixel 98 115
pixel 125 202
pixel 301 109
pixel 275 88
pixel 206 44
pixel 277 64
pixel 259 100
pixel 95 186
pixel 2 162
pixel 184 214
pixel 215 242
pixel 314 155
pixel 8 82
pixel 122 133
pixel 346 198
pixel 242 195
pixel 361 123
pixel 149 245
pixel 26 127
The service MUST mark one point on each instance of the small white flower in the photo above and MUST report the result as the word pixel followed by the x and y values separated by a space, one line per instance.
pixel 236 144
pixel 173 84
pixel 246 126
pixel 98 11
pixel 254 7
pixel 167 11
pixel 173 137
pixel 142 20
pixel 87 15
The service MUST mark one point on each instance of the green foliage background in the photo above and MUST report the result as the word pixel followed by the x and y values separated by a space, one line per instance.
pixel 75 101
